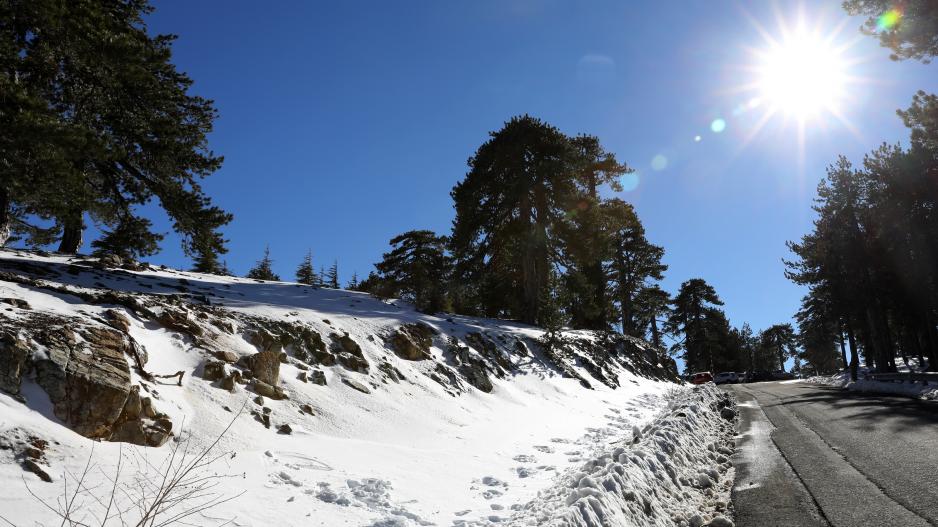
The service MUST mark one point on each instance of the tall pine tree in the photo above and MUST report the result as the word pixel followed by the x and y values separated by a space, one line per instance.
pixel 263 269
pixel 97 121
pixel 305 274
pixel 417 269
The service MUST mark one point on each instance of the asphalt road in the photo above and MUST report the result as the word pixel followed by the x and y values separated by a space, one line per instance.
pixel 812 455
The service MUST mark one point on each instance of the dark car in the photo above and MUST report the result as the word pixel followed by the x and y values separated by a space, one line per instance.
pixel 780 375
pixel 760 376
pixel 701 377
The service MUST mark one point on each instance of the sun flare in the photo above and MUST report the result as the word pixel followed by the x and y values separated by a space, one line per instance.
pixel 802 75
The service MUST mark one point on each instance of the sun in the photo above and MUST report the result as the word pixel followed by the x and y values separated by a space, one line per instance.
pixel 802 75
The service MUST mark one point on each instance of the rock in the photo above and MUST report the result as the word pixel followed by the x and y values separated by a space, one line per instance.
pixel 265 341
pixel 226 356
pixel 476 374
pixel 307 409
pixel 728 413
pixel 323 357
pixel 353 363
pixel 32 466
pixel 259 400
pixel 179 320
pixel 214 371
pixel 356 385
pixel 266 390
pixel 16 302
pixel 163 423
pixel 265 366
pixel 142 433
pixel 345 343
pixel 318 377
pixel 13 355
pixel 133 408
pixel 89 382
pixel 231 381
pixel 147 408
pixel 302 376
pixel 390 371
pixel 117 320
pixel 696 521
pixel 109 261
pixel 412 341
pixel 284 429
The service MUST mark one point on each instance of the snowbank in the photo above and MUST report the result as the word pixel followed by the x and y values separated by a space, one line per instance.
pixel 908 389
pixel 674 471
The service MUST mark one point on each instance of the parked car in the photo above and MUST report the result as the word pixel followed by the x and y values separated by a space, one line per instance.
pixel 780 375
pixel 726 377
pixel 759 376
pixel 701 377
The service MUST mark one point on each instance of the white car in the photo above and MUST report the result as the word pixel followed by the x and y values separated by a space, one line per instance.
pixel 726 377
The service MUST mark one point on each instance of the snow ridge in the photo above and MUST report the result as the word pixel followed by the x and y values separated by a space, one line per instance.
pixel 675 471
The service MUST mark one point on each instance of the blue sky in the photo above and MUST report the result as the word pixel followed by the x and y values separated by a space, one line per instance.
pixel 345 123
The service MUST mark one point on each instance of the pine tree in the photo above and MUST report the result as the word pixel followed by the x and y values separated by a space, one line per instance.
pixel 96 122
pixel 504 213
pixel 416 269
pixel 695 318
pixel 352 284
pixel 634 261
pixel 305 273
pixel 909 28
pixel 651 309
pixel 781 339
pixel 584 241
pixel 331 279
pixel 130 238
pixel 263 270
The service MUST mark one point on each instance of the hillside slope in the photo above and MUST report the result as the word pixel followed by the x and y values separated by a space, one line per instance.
pixel 340 409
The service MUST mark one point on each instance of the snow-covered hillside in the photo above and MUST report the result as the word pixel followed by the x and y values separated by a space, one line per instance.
pixel 330 407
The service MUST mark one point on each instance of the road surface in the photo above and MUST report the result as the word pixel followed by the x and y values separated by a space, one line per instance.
pixel 814 455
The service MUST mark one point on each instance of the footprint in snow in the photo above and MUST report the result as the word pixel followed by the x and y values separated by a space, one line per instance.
pixel 524 458
pixel 492 481
pixel 544 448
pixel 491 493
pixel 525 472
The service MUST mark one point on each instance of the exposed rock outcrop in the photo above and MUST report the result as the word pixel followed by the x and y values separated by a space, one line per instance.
pixel 412 341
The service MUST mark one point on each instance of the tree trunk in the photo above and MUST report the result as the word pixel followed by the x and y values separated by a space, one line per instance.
pixel 72 229
pixel 6 219
pixel 854 354
pixel 843 348
pixel 655 336
pixel 781 356
pixel 932 336
pixel 597 279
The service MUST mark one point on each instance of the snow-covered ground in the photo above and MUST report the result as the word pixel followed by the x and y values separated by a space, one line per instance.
pixel 908 389
pixel 366 449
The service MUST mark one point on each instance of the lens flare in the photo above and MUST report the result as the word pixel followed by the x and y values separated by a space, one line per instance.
pixel 659 162
pixel 888 20
pixel 718 125
pixel 630 181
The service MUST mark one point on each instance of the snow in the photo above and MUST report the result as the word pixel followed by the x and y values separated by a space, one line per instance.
pixel 408 453
pixel 909 389
pixel 674 471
